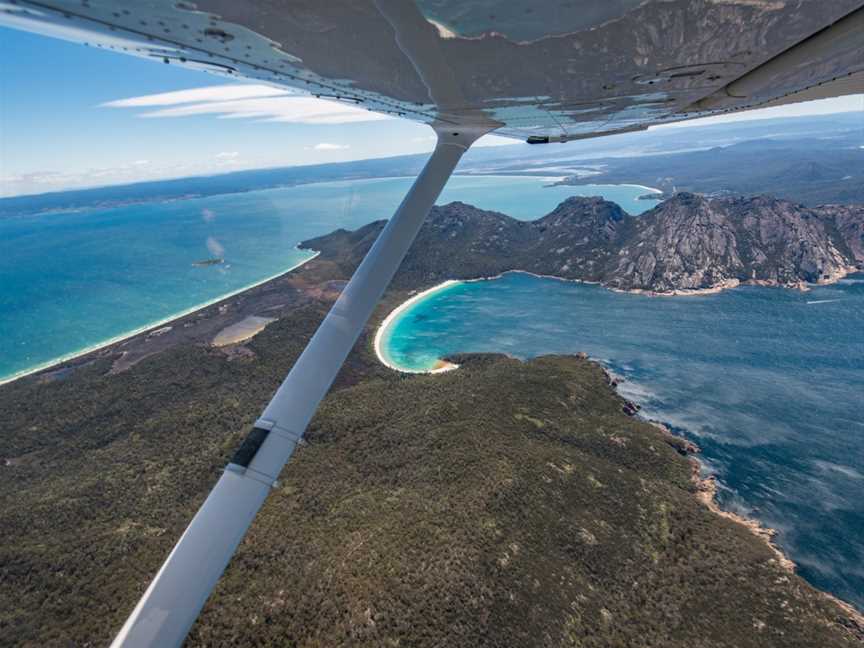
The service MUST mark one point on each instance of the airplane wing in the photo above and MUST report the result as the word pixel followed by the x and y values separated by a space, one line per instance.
pixel 544 71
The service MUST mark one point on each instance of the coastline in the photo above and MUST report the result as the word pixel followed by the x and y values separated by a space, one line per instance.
pixel 158 200
pixel 706 487
pixel 726 284
pixel 706 493
pixel 150 327
pixel 729 284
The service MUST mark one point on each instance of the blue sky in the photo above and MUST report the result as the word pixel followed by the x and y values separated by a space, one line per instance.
pixel 56 131
pixel 55 134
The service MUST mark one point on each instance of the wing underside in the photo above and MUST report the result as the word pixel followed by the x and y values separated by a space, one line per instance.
pixel 541 70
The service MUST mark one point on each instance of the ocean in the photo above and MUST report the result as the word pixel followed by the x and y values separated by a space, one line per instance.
pixel 71 281
pixel 768 382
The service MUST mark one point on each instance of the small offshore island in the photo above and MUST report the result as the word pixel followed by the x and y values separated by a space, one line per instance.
pixel 505 503
pixel 203 263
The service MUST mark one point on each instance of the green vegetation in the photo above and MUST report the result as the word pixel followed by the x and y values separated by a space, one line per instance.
pixel 502 504
pixel 100 473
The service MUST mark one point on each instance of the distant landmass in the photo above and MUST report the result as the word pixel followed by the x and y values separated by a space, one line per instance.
pixel 813 160
pixel 685 244
pixel 809 170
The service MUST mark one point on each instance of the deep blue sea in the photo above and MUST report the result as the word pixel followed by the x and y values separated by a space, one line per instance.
pixel 768 382
pixel 71 281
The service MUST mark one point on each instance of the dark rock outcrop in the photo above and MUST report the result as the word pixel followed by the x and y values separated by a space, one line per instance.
pixel 692 243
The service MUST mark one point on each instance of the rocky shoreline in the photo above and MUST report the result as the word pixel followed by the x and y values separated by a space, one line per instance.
pixel 729 284
pixel 705 488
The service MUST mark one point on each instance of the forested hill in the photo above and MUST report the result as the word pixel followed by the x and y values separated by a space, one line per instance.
pixel 686 243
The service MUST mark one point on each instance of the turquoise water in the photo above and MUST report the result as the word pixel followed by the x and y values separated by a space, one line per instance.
pixel 768 382
pixel 70 281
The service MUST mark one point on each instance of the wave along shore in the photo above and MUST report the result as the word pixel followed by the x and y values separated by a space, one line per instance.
pixel 646 188
pixel 143 329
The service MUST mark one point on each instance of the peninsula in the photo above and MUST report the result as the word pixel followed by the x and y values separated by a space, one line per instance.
pixel 505 503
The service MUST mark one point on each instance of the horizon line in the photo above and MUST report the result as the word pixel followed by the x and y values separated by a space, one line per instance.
pixel 212 174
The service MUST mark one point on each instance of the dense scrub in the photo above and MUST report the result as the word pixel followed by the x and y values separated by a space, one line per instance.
pixel 100 473
pixel 500 504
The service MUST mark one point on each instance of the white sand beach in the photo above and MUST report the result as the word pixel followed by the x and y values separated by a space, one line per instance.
pixel 379 334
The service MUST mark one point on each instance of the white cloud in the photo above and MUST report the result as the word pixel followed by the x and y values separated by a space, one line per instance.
pixel 496 140
pixel 850 103
pixel 227 158
pixel 49 180
pixel 42 180
pixel 428 141
pixel 257 102
pixel 486 140
pixel 195 95
pixel 327 146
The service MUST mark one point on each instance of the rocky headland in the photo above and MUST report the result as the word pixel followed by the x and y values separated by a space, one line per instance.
pixel 507 503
